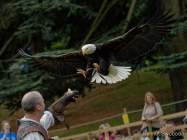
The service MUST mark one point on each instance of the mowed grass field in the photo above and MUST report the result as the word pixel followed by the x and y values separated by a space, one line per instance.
pixel 105 101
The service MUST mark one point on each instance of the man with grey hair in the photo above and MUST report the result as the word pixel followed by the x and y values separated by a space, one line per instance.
pixel 34 125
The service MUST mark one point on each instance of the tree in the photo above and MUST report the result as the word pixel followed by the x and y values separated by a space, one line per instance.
pixel 43 26
pixel 178 76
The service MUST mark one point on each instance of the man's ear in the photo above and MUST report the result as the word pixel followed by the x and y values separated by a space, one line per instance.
pixel 38 107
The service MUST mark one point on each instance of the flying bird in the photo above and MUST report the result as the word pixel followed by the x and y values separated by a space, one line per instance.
pixel 95 62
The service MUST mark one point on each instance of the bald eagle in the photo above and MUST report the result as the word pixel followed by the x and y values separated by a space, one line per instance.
pixel 94 62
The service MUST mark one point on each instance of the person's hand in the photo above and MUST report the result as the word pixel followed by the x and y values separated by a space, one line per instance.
pixel 185 120
pixel 70 96
pixel 144 119
pixel 150 119
pixel 7 130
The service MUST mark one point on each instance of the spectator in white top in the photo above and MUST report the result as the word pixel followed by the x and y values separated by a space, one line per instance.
pixel 151 113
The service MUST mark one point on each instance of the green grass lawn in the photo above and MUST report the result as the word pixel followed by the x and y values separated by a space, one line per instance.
pixel 110 100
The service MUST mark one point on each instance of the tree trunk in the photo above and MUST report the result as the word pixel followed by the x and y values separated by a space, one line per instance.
pixel 178 77
pixel 37 45
pixel 102 13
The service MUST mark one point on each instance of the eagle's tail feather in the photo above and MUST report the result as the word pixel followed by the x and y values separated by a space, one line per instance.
pixel 116 74
pixel 97 78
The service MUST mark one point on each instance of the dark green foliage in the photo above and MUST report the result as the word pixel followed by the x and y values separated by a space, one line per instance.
pixel 166 63
pixel 43 26
pixel 39 23
pixel 15 83
pixel 46 16
pixel 48 25
pixel 22 77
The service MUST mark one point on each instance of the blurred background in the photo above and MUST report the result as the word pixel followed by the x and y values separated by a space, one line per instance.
pixel 58 26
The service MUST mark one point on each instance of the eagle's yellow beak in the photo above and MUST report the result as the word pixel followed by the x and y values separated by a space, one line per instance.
pixel 83 53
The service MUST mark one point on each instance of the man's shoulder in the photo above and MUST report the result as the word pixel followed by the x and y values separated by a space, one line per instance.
pixel 27 120
pixel 28 127
pixel 33 136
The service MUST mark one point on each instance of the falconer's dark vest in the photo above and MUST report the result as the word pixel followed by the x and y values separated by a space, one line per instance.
pixel 25 127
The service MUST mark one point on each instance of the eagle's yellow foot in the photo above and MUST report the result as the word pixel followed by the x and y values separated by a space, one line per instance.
pixel 96 66
pixel 82 72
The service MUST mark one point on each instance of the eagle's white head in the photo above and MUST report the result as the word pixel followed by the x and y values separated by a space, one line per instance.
pixel 88 49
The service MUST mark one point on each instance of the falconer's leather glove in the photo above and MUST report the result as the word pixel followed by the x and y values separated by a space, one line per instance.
pixel 58 107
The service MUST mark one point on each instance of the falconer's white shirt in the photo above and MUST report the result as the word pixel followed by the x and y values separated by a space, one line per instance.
pixel 46 121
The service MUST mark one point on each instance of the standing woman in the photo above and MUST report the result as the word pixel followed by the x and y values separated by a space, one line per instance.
pixel 151 114
pixel 6 133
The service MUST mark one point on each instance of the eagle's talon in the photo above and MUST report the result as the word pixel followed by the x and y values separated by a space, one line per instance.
pixel 96 66
pixel 82 72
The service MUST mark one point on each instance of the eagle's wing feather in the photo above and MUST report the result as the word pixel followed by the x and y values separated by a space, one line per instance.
pixel 63 64
pixel 138 41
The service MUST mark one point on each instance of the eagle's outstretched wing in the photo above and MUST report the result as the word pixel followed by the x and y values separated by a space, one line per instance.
pixel 64 64
pixel 140 40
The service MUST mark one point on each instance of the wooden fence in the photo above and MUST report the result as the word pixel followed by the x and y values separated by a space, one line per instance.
pixel 89 135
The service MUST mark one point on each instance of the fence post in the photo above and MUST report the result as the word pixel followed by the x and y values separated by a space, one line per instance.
pixel 106 136
pixel 88 136
pixel 150 131
pixel 126 120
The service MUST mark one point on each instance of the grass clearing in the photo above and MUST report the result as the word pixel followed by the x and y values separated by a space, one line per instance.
pixel 110 100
